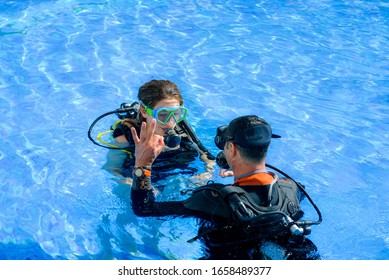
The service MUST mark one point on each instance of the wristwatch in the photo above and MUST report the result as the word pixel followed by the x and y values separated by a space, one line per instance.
pixel 141 172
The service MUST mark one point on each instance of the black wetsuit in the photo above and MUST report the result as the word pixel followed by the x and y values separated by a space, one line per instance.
pixel 223 239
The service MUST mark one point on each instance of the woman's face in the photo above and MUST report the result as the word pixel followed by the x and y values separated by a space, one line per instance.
pixel 165 103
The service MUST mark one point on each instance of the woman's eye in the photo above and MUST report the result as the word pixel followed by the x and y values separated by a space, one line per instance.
pixel 163 115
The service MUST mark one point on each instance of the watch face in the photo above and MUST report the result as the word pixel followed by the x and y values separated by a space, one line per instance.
pixel 138 172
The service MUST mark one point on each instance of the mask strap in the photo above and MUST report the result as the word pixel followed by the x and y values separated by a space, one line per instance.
pixel 148 110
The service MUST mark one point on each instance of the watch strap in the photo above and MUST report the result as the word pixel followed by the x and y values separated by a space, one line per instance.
pixel 145 171
pixel 141 183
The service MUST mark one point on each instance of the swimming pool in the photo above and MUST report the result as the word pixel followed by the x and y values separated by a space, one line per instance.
pixel 316 71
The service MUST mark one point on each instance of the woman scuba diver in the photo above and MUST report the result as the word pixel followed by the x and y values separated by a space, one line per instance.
pixel 160 100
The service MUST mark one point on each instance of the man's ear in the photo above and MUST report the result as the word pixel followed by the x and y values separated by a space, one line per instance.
pixel 233 149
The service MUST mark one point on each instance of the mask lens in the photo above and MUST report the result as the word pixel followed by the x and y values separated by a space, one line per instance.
pixel 219 142
pixel 163 115
pixel 180 114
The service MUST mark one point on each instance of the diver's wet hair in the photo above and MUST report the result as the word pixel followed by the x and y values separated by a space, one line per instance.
pixel 156 90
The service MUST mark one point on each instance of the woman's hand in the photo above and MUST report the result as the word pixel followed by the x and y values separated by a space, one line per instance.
pixel 225 173
pixel 148 146
pixel 201 179
pixel 209 164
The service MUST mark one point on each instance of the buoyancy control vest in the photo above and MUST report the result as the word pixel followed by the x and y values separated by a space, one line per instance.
pixel 231 206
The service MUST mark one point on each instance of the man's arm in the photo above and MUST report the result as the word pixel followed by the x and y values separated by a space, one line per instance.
pixel 144 204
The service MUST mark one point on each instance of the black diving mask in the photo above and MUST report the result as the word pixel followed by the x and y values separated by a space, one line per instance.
pixel 221 137
pixel 255 136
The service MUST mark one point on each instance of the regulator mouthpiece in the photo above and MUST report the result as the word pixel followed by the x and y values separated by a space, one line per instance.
pixel 221 161
pixel 171 139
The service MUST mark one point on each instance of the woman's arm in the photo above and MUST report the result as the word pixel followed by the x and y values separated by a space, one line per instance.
pixel 115 159
pixel 209 164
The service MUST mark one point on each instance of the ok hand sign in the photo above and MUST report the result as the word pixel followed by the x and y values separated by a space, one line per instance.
pixel 148 146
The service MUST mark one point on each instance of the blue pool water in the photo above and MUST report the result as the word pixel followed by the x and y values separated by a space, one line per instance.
pixel 316 70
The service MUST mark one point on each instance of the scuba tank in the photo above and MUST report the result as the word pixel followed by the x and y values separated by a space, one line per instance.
pixel 125 110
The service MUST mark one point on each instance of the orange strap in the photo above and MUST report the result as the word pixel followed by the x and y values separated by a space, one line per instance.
pixel 258 179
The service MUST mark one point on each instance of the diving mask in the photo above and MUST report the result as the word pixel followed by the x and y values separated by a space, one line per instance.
pixel 250 137
pixel 163 115
pixel 221 137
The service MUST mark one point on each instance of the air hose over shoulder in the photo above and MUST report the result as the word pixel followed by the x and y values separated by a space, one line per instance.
pixel 125 110
pixel 196 140
pixel 301 223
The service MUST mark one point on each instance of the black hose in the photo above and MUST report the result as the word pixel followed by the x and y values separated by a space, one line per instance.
pixel 121 110
pixel 195 139
pixel 302 223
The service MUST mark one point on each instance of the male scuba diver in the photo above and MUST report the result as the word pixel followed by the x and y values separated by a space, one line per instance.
pixel 257 217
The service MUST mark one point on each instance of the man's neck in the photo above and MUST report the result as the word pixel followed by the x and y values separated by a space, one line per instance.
pixel 243 169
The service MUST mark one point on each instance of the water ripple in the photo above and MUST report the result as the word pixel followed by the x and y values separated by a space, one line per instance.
pixel 317 71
